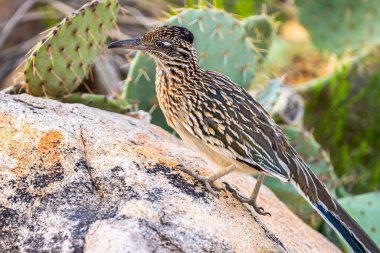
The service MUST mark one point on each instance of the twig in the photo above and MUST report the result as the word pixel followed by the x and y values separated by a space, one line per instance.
pixel 13 21
pixel 139 16
pixel 62 7
pixel 34 15
pixel 9 58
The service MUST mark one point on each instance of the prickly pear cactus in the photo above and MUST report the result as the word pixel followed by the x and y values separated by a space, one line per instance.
pixel 107 103
pixel 140 88
pixel 260 29
pixel 340 25
pixel 364 209
pixel 58 63
pixel 221 42
pixel 319 163
pixel 222 45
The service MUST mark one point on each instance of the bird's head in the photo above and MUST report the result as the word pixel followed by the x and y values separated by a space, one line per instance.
pixel 165 43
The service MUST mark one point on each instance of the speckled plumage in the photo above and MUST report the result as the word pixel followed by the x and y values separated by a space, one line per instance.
pixel 221 120
pixel 208 109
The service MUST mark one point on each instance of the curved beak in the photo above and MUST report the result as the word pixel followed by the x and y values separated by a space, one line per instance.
pixel 134 43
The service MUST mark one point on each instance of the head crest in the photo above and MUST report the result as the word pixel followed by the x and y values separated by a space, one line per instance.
pixel 182 32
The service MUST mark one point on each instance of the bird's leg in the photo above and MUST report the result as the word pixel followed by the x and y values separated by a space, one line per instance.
pixel 209 181
pixel 255 192
pixel 253 198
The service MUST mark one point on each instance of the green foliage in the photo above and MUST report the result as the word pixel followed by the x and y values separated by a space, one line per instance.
pixel 352 100
pixel 244 7
pixel 341 25
pixel 107 103
pixel 364 209
pixel 319 162
pixel 58 64
pixel 221 43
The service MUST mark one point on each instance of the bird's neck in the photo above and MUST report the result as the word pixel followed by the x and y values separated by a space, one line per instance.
pixel 174 74
pixel 174 81
pixel 180 68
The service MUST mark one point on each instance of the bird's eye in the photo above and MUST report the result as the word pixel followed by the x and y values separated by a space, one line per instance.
pixel 162 43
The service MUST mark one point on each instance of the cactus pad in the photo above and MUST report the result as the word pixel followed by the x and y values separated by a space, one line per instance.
pixel 364 209
pixel 222 45
pixel 107 103
pixel 260 29
pixel 221 41
pixel 58 63
pixel 339 25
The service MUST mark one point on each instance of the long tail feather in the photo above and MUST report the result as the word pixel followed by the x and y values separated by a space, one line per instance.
pixel 329 209
pixel 347 228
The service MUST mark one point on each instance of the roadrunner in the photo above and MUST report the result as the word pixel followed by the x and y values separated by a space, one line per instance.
pixel 222 121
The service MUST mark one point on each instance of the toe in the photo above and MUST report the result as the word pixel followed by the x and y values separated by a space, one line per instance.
pixel 260 210
pixel 211 189
pixel 216 188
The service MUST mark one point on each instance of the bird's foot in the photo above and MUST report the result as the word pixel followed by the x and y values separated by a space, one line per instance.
pixel 249 201
pixel 209 183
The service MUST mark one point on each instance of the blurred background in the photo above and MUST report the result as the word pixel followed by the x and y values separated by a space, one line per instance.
pixel 314 64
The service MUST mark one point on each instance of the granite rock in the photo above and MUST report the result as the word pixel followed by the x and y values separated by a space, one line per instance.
pixel 78 179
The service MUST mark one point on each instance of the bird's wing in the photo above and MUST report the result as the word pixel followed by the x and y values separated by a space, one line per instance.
pixel 233 123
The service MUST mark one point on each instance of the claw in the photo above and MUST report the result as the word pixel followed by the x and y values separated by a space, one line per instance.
pixel 258 209
pixel 251 202
pixel 210 187
pixel 209 184
pixel 217 188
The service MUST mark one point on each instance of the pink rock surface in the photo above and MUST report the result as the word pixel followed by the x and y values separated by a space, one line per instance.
pixel 74 178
